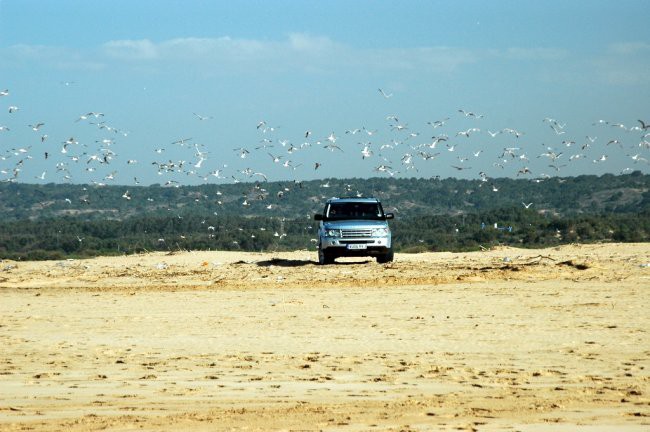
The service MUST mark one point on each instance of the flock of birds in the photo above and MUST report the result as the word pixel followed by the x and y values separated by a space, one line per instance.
pixel 394 149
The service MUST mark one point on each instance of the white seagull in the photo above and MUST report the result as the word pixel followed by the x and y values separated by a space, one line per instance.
pixel 200 117
pixel 384 94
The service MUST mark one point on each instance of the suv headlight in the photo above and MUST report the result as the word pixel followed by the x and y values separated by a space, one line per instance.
pixel 333 233
pixel 380 232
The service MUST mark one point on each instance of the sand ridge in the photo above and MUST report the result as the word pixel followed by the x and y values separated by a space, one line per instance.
pixel 211 270
pixel 506 339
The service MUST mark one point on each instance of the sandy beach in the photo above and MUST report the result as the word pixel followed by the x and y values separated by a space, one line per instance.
pixel 500 340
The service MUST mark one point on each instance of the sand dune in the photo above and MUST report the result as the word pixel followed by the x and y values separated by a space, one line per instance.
pixel 501 340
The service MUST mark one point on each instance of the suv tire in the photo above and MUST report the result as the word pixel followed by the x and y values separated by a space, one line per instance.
pixel 325 257
pixel 385 258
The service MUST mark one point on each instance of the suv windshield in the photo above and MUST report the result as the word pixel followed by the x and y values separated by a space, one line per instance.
pixel 354 210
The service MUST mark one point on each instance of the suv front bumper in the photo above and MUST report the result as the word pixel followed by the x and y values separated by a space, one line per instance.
pixel 357 247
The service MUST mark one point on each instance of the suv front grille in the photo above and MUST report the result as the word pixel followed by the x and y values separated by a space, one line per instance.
pixel 356 233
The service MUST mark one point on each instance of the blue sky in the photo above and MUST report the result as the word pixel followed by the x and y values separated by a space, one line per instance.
pixel 561 86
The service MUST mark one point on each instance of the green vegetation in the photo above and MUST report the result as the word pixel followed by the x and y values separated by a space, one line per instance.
pixel 62 221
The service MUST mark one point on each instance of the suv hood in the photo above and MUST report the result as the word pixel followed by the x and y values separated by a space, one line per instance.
pixel 354 224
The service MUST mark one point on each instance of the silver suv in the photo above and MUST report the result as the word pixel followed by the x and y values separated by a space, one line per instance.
pixel 354 227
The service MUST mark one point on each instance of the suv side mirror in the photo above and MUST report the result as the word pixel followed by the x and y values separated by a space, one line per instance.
pixel 318 217
pixel 390 216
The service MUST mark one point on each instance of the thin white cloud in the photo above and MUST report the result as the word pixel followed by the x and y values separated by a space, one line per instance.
pixel 193 49
pixel 614 71
pixel 617 64
pixel 298 50
pixel 311 44
pixel 30 51
pixel 629 48
pixel 621 63
pixel 440 59
pixel 536 53
pixel 625 63
pixel 52 56
pixel 142 49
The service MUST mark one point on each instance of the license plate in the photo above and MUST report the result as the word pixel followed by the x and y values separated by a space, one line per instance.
pixel 357 246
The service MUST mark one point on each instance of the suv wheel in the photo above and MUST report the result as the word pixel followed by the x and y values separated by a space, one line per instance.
pixel 385 258
pixel 325 257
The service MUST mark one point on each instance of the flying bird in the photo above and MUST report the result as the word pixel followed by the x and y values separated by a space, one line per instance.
pixel 332 147
pixel 524 170
pixel 468 132
pixel 470 114
pixel 182 141
pixel 384 94
pixel 242 152
pixel 366 152
pixel 198 164
pixel 602 158
pixel 200 117
pixel 437 123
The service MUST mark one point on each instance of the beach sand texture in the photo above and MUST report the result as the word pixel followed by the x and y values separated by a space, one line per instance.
pixel 500 340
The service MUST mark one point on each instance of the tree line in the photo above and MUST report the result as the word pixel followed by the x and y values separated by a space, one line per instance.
pixel 56 221
pixel 587 194
pixel 76 237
